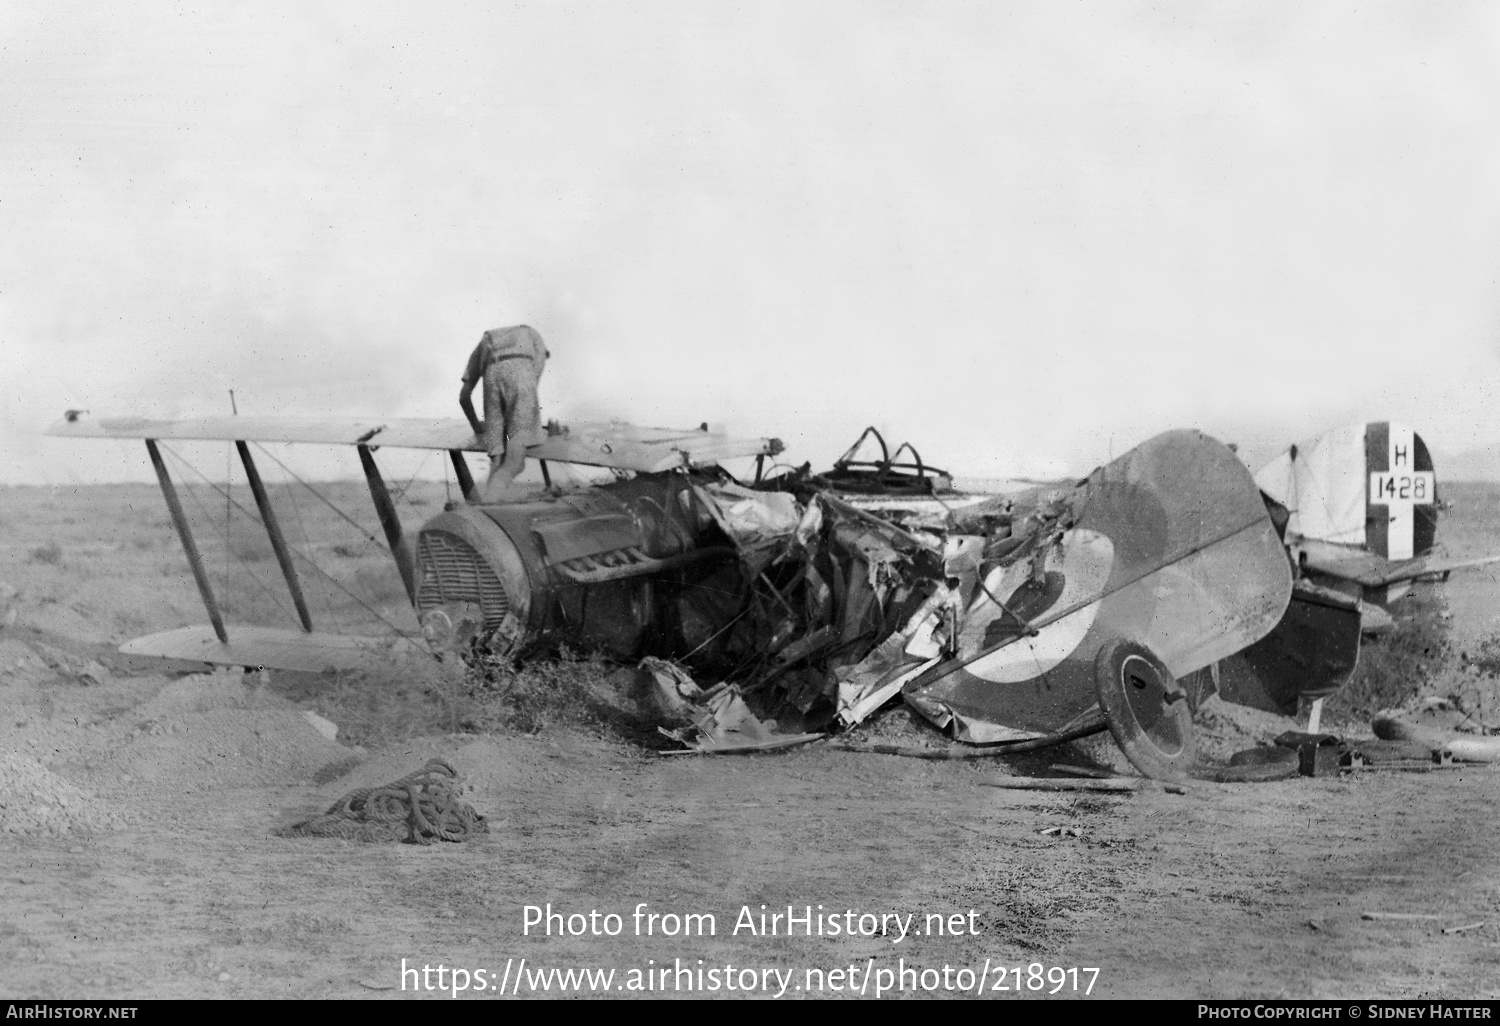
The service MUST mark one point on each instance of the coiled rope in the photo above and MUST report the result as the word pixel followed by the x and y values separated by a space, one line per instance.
pixel 426 802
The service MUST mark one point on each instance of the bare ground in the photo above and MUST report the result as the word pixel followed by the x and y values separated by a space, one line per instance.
pixel 137 810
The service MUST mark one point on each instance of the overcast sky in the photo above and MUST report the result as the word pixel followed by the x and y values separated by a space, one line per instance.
pixel 1021 235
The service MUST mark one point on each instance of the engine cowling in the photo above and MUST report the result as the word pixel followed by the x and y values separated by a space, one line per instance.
pixel 610 568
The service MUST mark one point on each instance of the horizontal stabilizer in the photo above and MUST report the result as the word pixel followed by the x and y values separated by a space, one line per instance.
pixel 614 445
pixel 271 647
pixel 1371 571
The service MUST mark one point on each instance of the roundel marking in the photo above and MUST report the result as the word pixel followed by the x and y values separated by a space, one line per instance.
pixel 1084 559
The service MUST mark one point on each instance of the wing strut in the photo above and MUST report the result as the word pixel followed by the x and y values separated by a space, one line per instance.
pixel 386 510
pixel 461 469
pixel 273 531
pixel 195 559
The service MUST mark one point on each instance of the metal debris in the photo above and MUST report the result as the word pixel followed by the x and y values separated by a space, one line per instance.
pixel 726 724
pixel 672 689
pixel 1122 785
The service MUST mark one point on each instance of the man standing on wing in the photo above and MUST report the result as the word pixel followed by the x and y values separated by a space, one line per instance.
pixel 510 361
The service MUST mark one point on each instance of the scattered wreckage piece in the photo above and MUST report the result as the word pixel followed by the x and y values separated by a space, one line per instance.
pixel 1121 785
pixel 1082 771
pixel 726 725
pixel 1320 755
pixel 1061 831
pixel 672 689
pixel 1396 725
pixel 1317 754
pixel 1402 756
pixel 1473 749
pixel 1252 766
pixel 1401 917
pixel 716 720
pixel 1090 728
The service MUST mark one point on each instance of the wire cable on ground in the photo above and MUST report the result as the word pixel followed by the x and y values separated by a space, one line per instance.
pixel 994 751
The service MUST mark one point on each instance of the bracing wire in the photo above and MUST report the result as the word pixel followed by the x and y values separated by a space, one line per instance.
pixel 307 540
pixel 306 558
pixel 327 502
pixel 412 480
pixel 230 553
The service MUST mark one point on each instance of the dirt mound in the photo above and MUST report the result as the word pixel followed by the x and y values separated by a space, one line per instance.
pixel 899 725
pixel 37 802
pixel 222 730
pixel 228 748
pixel 1223 728
pixel 205 692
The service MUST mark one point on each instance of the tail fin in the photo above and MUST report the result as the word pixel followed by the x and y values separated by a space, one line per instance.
pixel 1402 507
pixel 1367 485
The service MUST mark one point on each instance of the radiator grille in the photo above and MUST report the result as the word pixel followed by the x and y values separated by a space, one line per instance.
pixel 453 572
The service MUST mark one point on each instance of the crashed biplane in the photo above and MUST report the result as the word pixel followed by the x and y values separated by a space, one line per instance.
pixel 1006 621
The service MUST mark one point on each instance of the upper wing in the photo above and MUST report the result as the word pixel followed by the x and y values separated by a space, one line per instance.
pixel 1372 571
pixel 614 445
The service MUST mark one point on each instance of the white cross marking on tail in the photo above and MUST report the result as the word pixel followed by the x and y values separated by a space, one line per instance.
pixel 1401 489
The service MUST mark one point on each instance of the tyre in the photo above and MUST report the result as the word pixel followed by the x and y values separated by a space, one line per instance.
pixel 1146 711
pixel 1253 766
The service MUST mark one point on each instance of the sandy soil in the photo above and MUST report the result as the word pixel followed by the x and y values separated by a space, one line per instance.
pixel 138 804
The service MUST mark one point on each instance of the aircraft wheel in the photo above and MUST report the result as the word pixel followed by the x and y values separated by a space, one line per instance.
pixel 1146 710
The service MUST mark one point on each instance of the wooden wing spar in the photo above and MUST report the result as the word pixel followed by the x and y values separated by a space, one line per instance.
pixel 613 445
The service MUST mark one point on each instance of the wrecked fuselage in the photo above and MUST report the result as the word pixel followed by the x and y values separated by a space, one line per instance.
pixel 1157 565
pixel 1005 621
